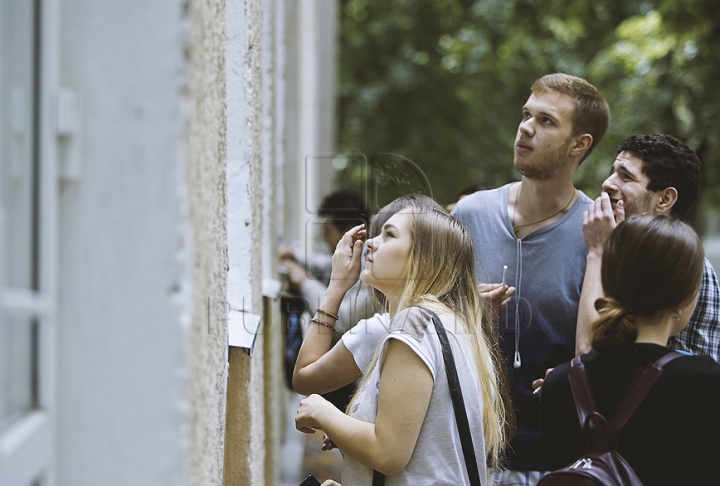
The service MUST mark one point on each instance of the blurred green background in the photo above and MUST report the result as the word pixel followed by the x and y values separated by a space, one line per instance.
pixel 442 82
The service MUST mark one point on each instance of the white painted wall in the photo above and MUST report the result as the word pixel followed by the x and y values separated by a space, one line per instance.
pixel 125 256
pixel 290 129
pixel 182 151
pixel 245 173
pixel 311 113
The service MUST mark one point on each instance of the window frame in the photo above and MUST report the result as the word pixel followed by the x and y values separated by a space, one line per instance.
pixel 27 447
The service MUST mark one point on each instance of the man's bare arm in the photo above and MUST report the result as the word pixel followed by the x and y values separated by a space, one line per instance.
pixel 598 222
pixel 591 291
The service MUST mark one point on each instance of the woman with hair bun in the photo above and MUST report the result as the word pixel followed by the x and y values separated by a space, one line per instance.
pixel 651 270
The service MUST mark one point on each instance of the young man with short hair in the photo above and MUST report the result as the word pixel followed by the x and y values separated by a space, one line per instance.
pixel 651 174
pixel 533 227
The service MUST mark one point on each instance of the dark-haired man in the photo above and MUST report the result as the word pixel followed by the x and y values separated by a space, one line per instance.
pixel 651 174
pixel 533 228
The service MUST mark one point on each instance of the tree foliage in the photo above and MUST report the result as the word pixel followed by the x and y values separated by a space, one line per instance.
pixel 442 82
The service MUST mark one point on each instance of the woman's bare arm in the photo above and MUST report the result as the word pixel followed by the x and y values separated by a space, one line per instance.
pixel 406 386
pixel 320 368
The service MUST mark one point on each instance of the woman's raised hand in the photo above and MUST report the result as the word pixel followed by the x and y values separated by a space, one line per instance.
pixel 346 261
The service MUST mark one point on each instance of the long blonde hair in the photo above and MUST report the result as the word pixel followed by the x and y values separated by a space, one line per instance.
pixel 441 276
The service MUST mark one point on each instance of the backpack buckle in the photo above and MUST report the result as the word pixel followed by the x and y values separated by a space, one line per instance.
pixel 584 463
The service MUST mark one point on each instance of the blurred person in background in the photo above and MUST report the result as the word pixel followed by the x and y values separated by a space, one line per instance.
pixel 466 192
pixel 309 277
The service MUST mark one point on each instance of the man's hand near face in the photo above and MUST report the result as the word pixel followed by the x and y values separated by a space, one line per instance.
pixel 599 221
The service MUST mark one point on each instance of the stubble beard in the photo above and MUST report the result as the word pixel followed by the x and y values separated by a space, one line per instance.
pixel 642 205
pixel 544 166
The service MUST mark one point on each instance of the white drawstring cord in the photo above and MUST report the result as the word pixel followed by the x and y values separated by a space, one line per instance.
pixel 518 286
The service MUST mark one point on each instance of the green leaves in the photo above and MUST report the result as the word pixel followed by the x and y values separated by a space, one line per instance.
pixel 442 82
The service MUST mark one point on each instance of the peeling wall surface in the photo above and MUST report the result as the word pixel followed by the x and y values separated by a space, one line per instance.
pixel 245 451
pixel 124 252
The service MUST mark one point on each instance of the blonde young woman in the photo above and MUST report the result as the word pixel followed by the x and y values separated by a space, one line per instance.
pixel 351 357
pixel 401 422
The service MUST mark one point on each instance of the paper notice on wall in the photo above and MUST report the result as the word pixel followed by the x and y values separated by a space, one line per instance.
pixel 271 288
pixel 242 329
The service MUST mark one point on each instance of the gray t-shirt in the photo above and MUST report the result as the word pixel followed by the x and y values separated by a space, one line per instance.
pixel 547 269
pixel 437 458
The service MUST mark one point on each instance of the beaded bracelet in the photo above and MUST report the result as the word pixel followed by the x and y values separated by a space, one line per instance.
pixel 329 314
pixel 323 323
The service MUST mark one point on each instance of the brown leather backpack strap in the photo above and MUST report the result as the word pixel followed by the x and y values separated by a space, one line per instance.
pixel 639 388
pixel 581 390
pixel 594 427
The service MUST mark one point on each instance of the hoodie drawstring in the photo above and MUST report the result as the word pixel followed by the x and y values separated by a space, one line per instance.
pixel 518 283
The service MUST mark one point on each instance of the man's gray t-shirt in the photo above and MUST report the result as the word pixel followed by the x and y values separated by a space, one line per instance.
pixel 547 269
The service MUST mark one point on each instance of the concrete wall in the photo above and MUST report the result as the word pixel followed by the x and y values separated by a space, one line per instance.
pixel 257 86
pixel 125 260
pixel 205 179
pixel 272 194
pixel 245 453
pixel 175 211
pixel 311 117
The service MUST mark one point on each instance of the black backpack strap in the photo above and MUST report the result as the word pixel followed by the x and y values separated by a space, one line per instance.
pixel 594 427
pixel 581 390
pixel 378 479
pixel 596 431
pixel 639 388
pixel 461 418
